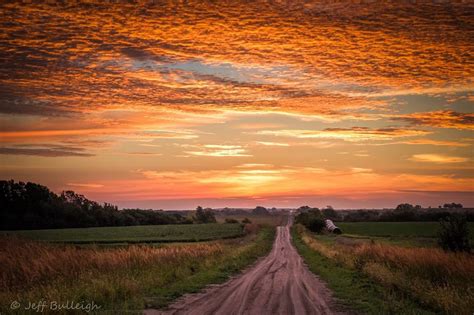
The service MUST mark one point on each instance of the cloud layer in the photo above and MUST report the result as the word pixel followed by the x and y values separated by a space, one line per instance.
pixel 241 99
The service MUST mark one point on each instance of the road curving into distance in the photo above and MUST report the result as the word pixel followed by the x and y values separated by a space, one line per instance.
pixel 280 283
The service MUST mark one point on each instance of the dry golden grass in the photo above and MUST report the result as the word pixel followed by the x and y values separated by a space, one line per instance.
pixel 121 278
pixel 434 263
pixel 27 263
pixel 439 280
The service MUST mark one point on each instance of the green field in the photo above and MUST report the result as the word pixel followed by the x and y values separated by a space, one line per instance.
pixel 394 229
pixel 135 234
pixel 272 220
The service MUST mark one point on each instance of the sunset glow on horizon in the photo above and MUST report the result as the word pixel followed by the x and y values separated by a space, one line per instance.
pixel 173 105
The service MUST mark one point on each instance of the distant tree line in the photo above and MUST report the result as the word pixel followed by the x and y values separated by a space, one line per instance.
pixel 452 205
pixel 403 213
pixel 33 206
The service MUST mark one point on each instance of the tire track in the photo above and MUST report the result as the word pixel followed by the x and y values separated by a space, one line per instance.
pixel 278 284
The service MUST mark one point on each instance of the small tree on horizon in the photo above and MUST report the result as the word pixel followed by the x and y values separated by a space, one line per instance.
pixel 204 215
pixel 453 205
pixel 404 207
pixel 260 210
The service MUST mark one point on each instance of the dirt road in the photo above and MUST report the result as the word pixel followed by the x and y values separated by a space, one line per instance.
pixel 278 284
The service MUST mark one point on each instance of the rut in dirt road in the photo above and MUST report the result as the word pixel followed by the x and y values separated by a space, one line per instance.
pixel 278 284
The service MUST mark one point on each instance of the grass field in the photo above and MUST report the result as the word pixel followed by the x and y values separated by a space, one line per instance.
pixel 407 234
pixel 395 229
pixel 135 234
pixel 272 220
pixel 382 278
pixel 126 279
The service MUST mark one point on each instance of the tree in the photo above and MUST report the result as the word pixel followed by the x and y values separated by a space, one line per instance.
pixel 404 207
pixel 330 213
pixel 312 219
pixel 259 210
pixel 246 221
pixel 316 225
pixel 453 205
pixel 304 209
pixel 204 215
pixel 361 215
pixel 404 212
pixel 454 233
pixel 33 206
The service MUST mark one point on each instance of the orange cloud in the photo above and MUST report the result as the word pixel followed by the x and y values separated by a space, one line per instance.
pixel 85 185
pixel 273 144
pixel 440 119
pixel 220 151
pixel 436 143
pixel 61 68
pixel 93 83
pixel 272 181
pixel 258 126
pixel 54 133
pixel 353 134
pixel 438 158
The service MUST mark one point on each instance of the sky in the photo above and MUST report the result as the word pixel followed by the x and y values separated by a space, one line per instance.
pixel 175 104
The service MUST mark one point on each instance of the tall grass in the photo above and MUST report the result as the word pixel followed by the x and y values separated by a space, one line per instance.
pixel 27 263
pixel 124 278
pixel 438 280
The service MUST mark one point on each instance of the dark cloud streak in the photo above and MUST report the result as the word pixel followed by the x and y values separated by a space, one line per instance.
pixel 45 151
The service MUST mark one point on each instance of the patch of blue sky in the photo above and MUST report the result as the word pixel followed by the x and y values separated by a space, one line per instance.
pixel 407 104
pixel 239 73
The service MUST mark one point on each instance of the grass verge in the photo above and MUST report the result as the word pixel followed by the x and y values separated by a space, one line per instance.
pixel 353 288
pixel 218 272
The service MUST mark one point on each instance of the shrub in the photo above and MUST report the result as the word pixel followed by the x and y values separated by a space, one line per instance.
pixel 316 225
pixel 454 234
pixel 312 219
pixel 246 221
